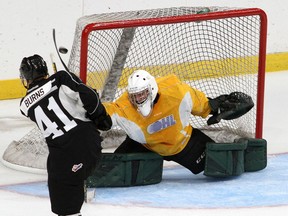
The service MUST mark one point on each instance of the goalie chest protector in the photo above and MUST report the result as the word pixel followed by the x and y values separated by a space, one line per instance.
pixel 127 169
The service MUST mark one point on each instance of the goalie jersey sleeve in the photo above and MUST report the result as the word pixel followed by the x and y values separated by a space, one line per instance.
pixel 60 103
pixel 167 130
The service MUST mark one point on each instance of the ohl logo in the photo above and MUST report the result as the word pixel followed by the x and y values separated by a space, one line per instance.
pixel 161 124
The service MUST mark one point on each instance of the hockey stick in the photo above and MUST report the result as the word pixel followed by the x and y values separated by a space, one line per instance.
pixel 64 50
pixel 53 63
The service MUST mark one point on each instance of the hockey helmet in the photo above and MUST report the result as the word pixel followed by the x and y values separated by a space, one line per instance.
pixel 142 90
pixel 32 68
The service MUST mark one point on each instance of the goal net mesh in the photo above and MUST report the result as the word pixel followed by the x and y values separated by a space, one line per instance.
pixel 216 54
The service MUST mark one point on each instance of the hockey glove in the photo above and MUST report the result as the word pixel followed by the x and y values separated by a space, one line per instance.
pixel 229 107
pixel 103 122
pixel 101 118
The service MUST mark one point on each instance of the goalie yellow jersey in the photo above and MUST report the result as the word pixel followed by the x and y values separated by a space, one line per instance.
pixel 166 130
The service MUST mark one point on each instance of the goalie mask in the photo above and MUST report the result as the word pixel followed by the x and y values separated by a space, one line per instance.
pixel 142 90
pixel 32 68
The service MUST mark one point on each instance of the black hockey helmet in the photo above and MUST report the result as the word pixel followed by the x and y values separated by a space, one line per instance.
pixel 32 68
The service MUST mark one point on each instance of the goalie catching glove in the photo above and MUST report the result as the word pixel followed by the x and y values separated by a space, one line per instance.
pixel 229 107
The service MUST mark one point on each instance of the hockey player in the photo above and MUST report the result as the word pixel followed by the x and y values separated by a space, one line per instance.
pixel 155 115
pixel 69 114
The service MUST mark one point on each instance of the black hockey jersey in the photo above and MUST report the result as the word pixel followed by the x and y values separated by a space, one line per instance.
pixel 60 103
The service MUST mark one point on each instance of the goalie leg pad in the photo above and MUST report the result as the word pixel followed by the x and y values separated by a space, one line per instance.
pixel 255 155
pixel 224 159
pixel 127 169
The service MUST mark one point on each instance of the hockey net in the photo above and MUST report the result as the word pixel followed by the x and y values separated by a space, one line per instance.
pixel 217 50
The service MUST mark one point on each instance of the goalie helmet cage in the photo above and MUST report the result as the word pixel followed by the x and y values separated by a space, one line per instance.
pixel 217 50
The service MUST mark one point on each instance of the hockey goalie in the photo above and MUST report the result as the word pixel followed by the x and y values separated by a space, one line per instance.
pixel 155 113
